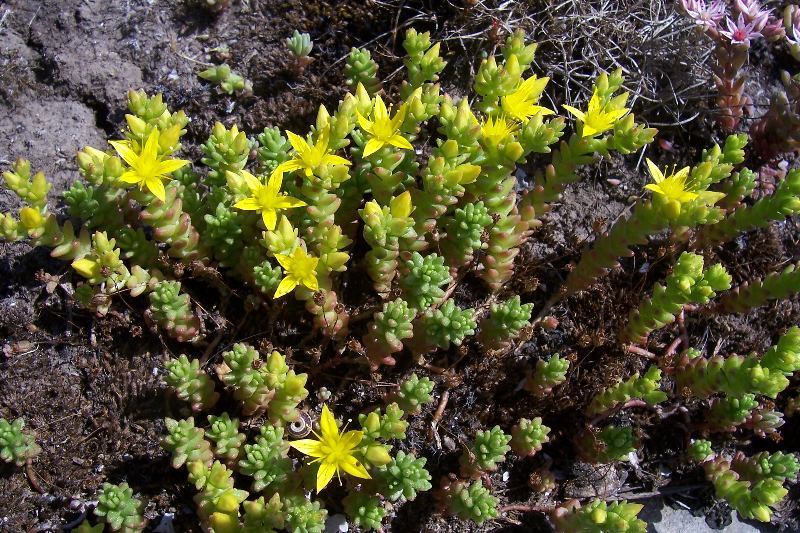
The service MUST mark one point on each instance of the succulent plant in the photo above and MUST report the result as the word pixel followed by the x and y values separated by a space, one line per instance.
pixel 364 511
pixel 414 393
pixel 404 477
pixel 16 445
pixel 470 501
pixel 190 383
pixel 527 436
pixel 487 450
pixel 118 508
pixel 598 516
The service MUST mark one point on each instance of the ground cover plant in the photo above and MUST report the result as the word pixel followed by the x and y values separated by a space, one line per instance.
pixel 350 326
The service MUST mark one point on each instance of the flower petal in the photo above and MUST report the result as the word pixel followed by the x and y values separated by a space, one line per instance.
pixel 270 218
pixel 351 439
pixel 156 187
pixel 288 202
pixel 274 184
pixel 130 177
pixel 576 112
pixel 288 166
pixel 544 111
pixel 308 447
pixel 298 143
pixel 379 111
pixel 399 117
pixel 125 152
pixel 286 286
pixel 322 140
pixel 589 130
pixel 400 142
pixel 253 183
pixel 354 468
pixel 594 102
pixel 286 261
pixel 168 166
pixel 248 204
pixel 655 172
pixel 325 474
pixel 614 116
pixel 365 124
pixel 331 159
pixel 327 425
pixel 682 174
pixel 150 150
pixel 654 187
pixel 311 283
pixel 373 145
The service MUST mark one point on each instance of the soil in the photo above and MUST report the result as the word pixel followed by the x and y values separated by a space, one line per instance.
pixel 91 387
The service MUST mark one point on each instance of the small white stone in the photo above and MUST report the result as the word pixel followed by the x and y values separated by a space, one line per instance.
pixel 337 524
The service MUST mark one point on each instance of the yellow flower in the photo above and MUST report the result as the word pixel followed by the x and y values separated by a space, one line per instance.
pixel 597 119
pixel 266 198
pixel 147 168
pixel 309 157
pixel 521 104
pixel 332 450
pixel 87 268
pixel 300 269
pixel 495 130
pixel 382 129
pixel 673 187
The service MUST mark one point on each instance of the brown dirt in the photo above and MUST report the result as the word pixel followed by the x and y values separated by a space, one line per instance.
pixel 91 388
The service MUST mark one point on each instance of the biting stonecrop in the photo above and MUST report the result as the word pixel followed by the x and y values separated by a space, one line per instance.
pixel 598 516
pixel 360 459
pixel 418 190
pixel 687 284
pixel 645 388
pixel 286 224
pixel 752 485
pixel 17 445
pixel 119 509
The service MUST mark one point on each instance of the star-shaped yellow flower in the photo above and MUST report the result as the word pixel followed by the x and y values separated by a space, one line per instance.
pixel 496 130
pixel 597 119
pixel 383 129
pixel 522 103
pixel 266 198
pixel 300 269
pixel 309 157
pixel 147 169
pixel 673 187
pixel 334 451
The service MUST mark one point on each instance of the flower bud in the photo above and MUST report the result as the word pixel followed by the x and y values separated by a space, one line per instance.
pixel 137 126
pixel 168 139
pixel 30 218
pixel 377 455
pixel 372 423
pixel 323 118
pixel 371 209
pixel 86 267
pixel 599 516
pixel 401 205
